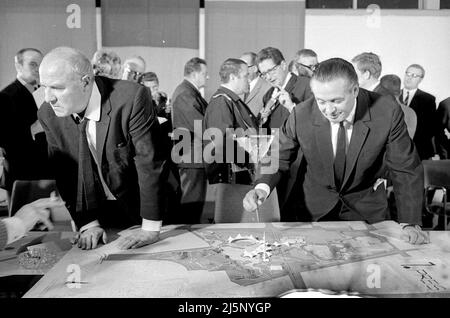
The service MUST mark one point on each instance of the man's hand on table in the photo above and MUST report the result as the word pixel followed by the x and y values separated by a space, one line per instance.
pixel 138 238
pixel 413 234
pixel 253 199
pixel 88 240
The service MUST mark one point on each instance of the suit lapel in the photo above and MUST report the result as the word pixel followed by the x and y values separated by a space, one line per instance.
pixel 102 125
pixel 322 132
pixel 359 134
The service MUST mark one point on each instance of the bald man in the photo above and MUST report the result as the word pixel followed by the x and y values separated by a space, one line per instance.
pixel 133 69
pixel 104 147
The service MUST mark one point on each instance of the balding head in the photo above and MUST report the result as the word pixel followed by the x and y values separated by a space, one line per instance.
pixel 68 78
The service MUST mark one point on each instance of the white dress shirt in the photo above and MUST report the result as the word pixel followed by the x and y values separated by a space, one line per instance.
pixel 411 95
pixel 348 125
pixel 93 113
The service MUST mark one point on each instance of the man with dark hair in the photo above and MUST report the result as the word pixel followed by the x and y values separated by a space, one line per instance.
pixel 228 169
pixel 189 108
pixel 424 104
pixel 105 148
pixel 306 62
pixel 163 109
pixel 258 85
pixel 21 135
pixel 349 138
pixel 368 68
pixel 288 91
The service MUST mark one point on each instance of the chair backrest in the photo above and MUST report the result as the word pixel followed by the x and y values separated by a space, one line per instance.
pixel 26 191
pixel 437 173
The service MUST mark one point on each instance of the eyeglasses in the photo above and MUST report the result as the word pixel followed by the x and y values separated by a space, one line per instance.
pixel 310 67
pixel 133 75
pixel 270 71
pixel 409 74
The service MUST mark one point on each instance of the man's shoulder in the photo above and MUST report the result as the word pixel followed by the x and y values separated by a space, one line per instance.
pixel 425 95
pixel 305 108
pixel 12 88
pixel 445 103
pixel 301 81
pixel 185 90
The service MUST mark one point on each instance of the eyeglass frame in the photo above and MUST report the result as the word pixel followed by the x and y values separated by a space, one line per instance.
pixel 136 75
pixel 312 68
pixel 409 74
pixel 270 71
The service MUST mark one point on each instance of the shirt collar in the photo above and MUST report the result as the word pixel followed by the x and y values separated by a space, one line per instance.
pixel 411 92
pixel 28 86
pixel 192 83
pixel 93 109
pixel 351 117
pixel 373 86
pixel 253 83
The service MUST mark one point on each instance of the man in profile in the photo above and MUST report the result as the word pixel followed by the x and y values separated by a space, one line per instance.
pixel 104 146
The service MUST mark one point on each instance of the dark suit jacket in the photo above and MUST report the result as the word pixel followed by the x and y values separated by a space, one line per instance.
pixel 299 89
pixel 227 111
pixel 27 157
pixel 443 119
pixel 379 143
pixel 128 146
pixel 188 106
pixel 424 105
pixel 254 99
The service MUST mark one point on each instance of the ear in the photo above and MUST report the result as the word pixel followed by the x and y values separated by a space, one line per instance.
pixel 356 90
pixel 283 65
pixel 85 80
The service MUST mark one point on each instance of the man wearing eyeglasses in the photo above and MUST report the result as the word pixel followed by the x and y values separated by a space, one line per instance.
pixel 424 104
pixel 306 62
pixel 288 90
pixel 133 69
pixel 258 85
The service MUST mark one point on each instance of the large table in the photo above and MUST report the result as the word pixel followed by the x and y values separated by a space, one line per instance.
pixel 258 260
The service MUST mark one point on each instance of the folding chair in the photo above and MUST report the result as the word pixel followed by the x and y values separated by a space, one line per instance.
pixel 27 191
pixel 437 177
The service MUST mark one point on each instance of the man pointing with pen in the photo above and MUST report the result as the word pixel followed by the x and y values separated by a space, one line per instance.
pixel 348 138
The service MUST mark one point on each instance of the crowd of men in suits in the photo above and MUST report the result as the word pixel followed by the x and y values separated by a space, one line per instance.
pixel 342 135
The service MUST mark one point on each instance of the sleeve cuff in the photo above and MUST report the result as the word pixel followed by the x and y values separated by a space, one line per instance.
pixel 150 225
pixel 263 186
pixel 89 225
pixel 15 229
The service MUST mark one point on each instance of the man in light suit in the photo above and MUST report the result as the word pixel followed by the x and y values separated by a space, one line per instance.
pixel 104 148
pixel 258 85
pixel 189 106
pixel 348 138
pixel 424 104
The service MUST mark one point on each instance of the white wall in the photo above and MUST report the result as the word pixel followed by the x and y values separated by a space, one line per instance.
pixel 400 37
